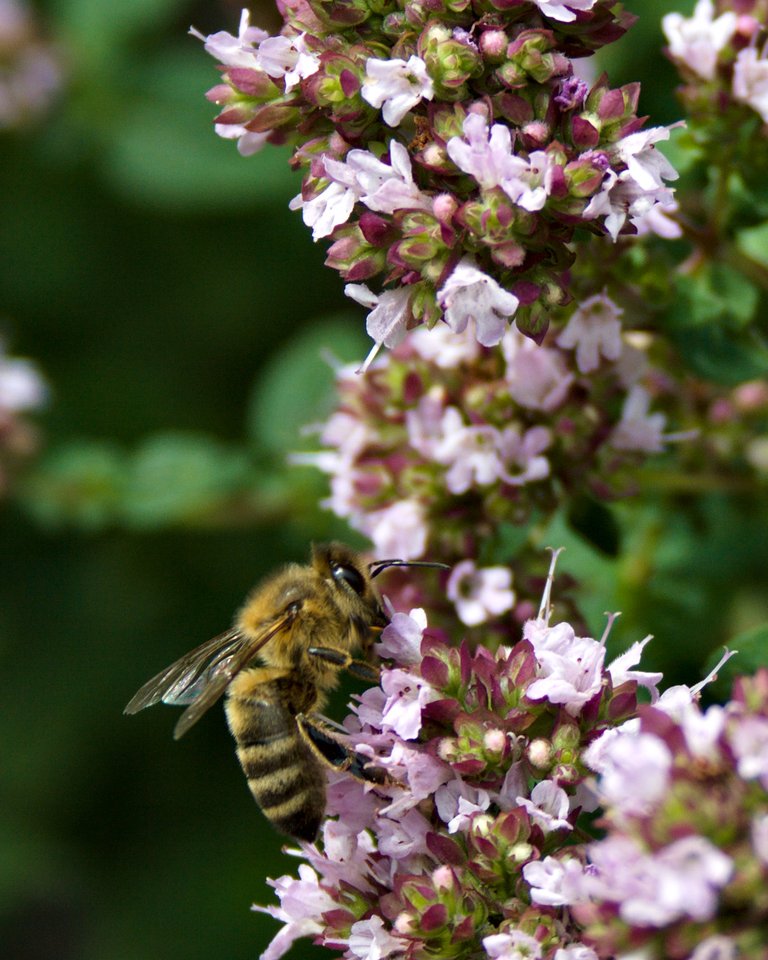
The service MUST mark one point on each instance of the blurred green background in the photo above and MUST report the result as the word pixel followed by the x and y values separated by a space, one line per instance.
pixel 178 309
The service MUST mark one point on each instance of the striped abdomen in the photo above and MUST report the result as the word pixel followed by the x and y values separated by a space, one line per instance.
pixel 284 776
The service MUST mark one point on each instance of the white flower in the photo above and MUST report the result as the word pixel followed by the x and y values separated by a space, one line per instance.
pixel 480 593
pixel 750 81
pixel 369 940
pixel 469 294
pixel 387 322
pixel 288 57
pixel 515 945
pixel 563 10
pixel 382 187
pixel 485 154
pixel 248 142
pixel 621 672
pixel 647 166
pixel 443 347
pixel 328 209
pixel 638 429
pixel 696 41
pixel 548 806
pixel 530 186
pixel 571 677
pixel 398 531
pixel 634 770
pixel 401 638
pixel 594 329
pixel 397 86
pixel 715 948
pixel 406 695
pixel 555 883
pixel 21 386
pixel 239 51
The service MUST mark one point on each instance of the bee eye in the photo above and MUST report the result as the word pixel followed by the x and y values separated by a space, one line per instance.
pixel 349 575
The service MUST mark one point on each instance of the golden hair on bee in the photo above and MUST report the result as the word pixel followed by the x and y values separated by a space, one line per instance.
pixel 303 625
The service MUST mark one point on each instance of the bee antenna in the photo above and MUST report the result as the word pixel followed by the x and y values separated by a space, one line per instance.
pixel 378 566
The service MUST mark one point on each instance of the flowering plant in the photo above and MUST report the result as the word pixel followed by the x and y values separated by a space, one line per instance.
pixel 510 209
pixel 478 844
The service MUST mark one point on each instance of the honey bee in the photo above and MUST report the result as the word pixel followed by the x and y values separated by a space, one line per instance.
pixel 303 623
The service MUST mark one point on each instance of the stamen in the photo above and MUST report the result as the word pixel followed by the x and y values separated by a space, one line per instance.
pixel 545 610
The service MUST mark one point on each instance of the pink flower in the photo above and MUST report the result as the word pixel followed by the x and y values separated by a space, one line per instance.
pixel 406 696
pixel 697 41
pixel 537 376
pixel 638 429
pixel 512 946
pixel 369 940
pixel 388 320
pixel 555 883
pixel 548 806
pixel 288 57
pixel 21 386
pixel 480 593
pixel 749 741
pixel 399 531
pixel 570 673
pixel 750 80
pixel 485 154
pixel 239 51
pixel 620 671
pixel 469 294
pixel 302 904
pixel 401 638
pixel 397 86
pixel 634 770
pixel 594 329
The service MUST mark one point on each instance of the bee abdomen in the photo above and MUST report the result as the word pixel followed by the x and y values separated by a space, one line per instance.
pixel 283 775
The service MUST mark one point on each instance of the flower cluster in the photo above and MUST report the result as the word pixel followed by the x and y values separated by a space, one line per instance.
pixel 21 391
pixel 451 149
pixel 444 441
pixel 682 870
pixel 493 770
pixel 30 73
pixel 484 756
pixel 722 56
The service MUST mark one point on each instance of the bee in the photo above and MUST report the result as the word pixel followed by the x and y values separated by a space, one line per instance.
pixel 303 625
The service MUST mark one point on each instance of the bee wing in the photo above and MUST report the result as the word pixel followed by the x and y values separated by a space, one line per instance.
pixel 170 684
pixel 200 677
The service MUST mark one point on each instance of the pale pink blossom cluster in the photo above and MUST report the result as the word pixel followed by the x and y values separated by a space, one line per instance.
pixel 31 72
pixel 22 391
pixel 431 858
pixel 667 782
pixel 444 439
pixel 723 40
pixel 463 204
pixel 475 842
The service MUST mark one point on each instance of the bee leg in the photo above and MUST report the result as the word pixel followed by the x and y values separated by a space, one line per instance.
pixel 332 752
pixel 357 668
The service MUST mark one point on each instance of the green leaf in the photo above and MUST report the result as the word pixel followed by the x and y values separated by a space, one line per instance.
pixel 715 294
pixel 754 243
pixel 163 148
pixel 597 524
pixel 715 354
pixel 80 484
pixel 181 478
pixel 296 387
